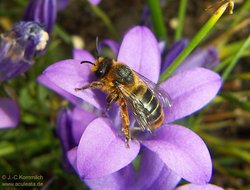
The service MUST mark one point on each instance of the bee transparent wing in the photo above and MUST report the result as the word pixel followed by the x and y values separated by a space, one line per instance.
pixel 136 106
pixel 162 96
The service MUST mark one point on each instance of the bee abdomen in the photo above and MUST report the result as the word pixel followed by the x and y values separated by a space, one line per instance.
pixel 151 107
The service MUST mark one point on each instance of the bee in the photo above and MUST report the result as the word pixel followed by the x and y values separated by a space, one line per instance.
pixel 129 90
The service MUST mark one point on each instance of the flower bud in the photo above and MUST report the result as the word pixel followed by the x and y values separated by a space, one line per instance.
pixel 19 46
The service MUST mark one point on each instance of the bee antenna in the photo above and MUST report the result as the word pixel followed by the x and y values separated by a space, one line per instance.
pixel 87 62
pixel 98 48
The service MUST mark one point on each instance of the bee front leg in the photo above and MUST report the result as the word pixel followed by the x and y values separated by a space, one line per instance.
pixel 95 84
pixel 125 122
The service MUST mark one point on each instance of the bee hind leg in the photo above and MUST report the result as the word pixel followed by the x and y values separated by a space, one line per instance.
pixel 112 97
pixel 125 122
pixel 95 84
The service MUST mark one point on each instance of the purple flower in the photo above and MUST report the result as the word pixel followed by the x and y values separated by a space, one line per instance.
pixel 114 46
pixel 152 174
pixel 19 46
pixel 94 2
pixel 68 130
pixel 100 150
pixel 207 58
pixel 44 12
pixel 9 113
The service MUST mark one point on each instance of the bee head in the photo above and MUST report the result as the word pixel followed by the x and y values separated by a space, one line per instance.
pixel 101 67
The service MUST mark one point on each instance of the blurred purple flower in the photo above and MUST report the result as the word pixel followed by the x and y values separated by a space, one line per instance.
pixel 114 46
pixel 100 151
pixel 44 12
pixel 9 113
pixel 19 46
pixel 94 2
pixel 207 58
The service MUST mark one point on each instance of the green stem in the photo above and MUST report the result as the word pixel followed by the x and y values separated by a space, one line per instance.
pixel 223 64
pixel 243 10
pixel 66 37
pixel 194 42
pixel 235 101
pixel 105 19
pixel 157 18
pixel 181 18
pixel 235 59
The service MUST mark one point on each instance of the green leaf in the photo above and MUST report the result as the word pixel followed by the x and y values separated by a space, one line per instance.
pixel 236 58
pixel 203 32
pixel 181 18
pixel 157 18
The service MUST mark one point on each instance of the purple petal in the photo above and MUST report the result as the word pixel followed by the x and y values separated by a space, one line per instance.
pixel 162 46
pixel 119 180
pixel 190 91
pixel 80 120
pixel 94 2
pixel 42 11
pixel 72 157
pixel 102 152
pixel 9 113
pixel 43 79
pixel 64 127
pixel 182 151
pixel 65 76
pixel 50 12
pixel 82 55
pixel 173 52
pixel 140 51
pixel 199 187
pixel 200 58
pixel 153 173
pixel 116 181
pixel 63 131
pixel 71 125
pixel 28 14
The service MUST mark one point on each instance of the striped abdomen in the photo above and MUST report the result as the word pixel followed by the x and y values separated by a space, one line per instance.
pixel 152 109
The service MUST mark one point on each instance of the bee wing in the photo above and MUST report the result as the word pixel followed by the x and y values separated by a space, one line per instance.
pixel 162 96
pixel 136 106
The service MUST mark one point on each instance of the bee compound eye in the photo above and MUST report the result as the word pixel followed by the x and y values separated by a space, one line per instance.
pixel 99 73
pixel 103 69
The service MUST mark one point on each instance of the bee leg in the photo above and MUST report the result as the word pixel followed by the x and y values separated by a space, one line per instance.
pixel 125 122
pixel 110 99
pixel 95 84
